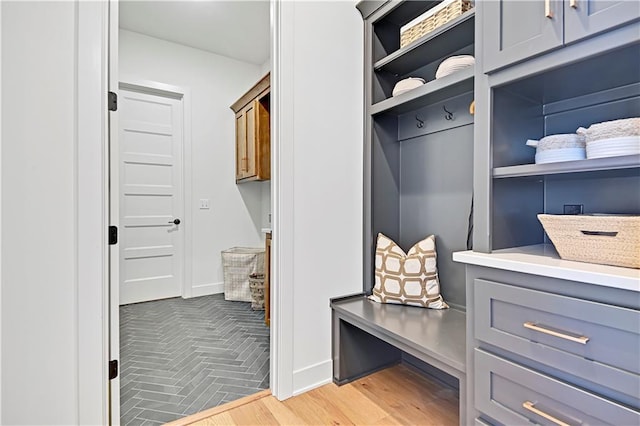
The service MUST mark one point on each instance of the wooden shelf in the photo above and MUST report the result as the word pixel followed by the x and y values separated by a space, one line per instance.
pixel 439 43
pixel 436 90
pixel 591 165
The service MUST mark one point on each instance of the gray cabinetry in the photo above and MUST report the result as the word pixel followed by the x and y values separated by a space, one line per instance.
pixel 546 350
pixel 574 335
pixel 513 394
pixel 418 148
pixel 556 101
pixel 583 18
pixel 516 30
pixel 550 340
pixel 418 181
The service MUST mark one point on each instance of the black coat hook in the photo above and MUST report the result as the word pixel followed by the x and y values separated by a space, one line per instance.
pixel 420 123
pixel 448 115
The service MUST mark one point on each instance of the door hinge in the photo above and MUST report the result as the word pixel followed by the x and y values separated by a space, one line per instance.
pixel 113 101
pixel 113 369
pixel 113 235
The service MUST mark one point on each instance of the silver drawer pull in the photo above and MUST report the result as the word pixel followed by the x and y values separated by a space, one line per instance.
pixel 533 326
pixel 529 406
pixel 547 9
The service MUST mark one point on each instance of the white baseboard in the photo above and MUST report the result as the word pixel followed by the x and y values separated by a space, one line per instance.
pixel 207 289
pixel 312 377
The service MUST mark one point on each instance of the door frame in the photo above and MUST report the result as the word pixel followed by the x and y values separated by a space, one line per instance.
pixel 184 95
pixel 92 211
pixel 97 73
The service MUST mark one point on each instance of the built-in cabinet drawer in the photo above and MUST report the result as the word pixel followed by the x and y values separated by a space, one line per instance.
pixel 514 395
pixel 593 341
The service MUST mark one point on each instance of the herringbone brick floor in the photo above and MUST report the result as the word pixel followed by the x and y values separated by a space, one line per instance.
pixel 181 356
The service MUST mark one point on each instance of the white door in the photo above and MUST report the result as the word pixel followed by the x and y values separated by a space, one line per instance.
pixel 151 201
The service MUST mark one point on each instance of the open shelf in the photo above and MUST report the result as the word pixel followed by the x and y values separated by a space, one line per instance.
pixel 589 165
pixel 434 91
pixel 448 38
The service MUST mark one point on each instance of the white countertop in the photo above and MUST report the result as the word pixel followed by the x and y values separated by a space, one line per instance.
pixel 543 260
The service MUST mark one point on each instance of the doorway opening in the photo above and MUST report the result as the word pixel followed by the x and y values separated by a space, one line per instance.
pixel 182 347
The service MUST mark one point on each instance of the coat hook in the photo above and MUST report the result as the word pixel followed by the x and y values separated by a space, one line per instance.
pixel 420 123
pixel 448 115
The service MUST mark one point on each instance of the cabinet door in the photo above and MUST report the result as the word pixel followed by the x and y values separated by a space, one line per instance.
pixel 250 161
pixel 241 144
pixel 516 30
pixel 587 17
pixel 263 141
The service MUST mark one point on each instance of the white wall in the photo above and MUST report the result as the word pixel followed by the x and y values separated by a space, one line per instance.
pixel 39 286
pixel 327 121
pixel 39 312
pixel 236 216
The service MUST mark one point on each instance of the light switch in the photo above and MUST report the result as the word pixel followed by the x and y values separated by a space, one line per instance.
pixel 204 203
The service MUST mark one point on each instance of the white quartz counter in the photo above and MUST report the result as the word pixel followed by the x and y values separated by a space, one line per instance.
pixel 543 260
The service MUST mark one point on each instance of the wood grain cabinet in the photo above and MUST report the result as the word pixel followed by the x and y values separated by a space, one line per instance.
pixel 253 145
pixel 517 30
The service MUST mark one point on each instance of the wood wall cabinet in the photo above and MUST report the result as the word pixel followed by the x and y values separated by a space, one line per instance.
pixel 253 133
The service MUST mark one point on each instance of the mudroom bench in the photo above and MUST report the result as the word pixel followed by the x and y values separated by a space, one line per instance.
pixel 369 336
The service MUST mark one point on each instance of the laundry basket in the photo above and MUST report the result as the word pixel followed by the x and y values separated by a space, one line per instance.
pixel 256 285
pixel 238 263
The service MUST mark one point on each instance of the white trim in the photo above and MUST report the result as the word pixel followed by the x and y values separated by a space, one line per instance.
pixel 90 209
pixel 183 93
pixel 113 205
pixel 318 374
pixel 282 167
pixel 0 215
pixel 207 289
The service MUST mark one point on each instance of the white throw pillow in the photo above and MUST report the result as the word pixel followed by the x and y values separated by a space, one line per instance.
pixel 407 279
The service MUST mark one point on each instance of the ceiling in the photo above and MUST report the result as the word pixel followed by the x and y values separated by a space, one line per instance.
pixel 237 29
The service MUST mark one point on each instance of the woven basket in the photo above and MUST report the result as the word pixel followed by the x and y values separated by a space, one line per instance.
pixel 238 263
pixel 434 19
pixel 256 285
pixel 604 239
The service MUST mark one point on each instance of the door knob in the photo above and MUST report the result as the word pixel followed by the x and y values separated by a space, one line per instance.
pixel 175 221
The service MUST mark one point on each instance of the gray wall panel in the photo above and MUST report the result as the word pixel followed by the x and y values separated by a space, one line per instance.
pixel 385 186
pixel 435 198
pixel 598 194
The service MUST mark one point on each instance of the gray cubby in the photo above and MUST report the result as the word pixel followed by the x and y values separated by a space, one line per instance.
pixel 418 181
pixel 419 164
pixel 559 101
pixel 421 58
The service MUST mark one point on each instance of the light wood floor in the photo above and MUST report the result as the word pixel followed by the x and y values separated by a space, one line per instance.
pixel 394 396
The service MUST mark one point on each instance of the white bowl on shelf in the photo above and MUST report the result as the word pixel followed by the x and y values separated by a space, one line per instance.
pixel 561 154
pixel 614 147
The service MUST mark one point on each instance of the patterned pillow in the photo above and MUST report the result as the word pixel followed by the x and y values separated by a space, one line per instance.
pixel 408 279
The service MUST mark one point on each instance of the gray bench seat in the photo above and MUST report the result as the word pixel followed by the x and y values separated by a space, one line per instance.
pixel 369 336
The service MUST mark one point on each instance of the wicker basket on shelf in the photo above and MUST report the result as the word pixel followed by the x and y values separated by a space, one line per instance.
pixel 604 239
pixel 433 19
